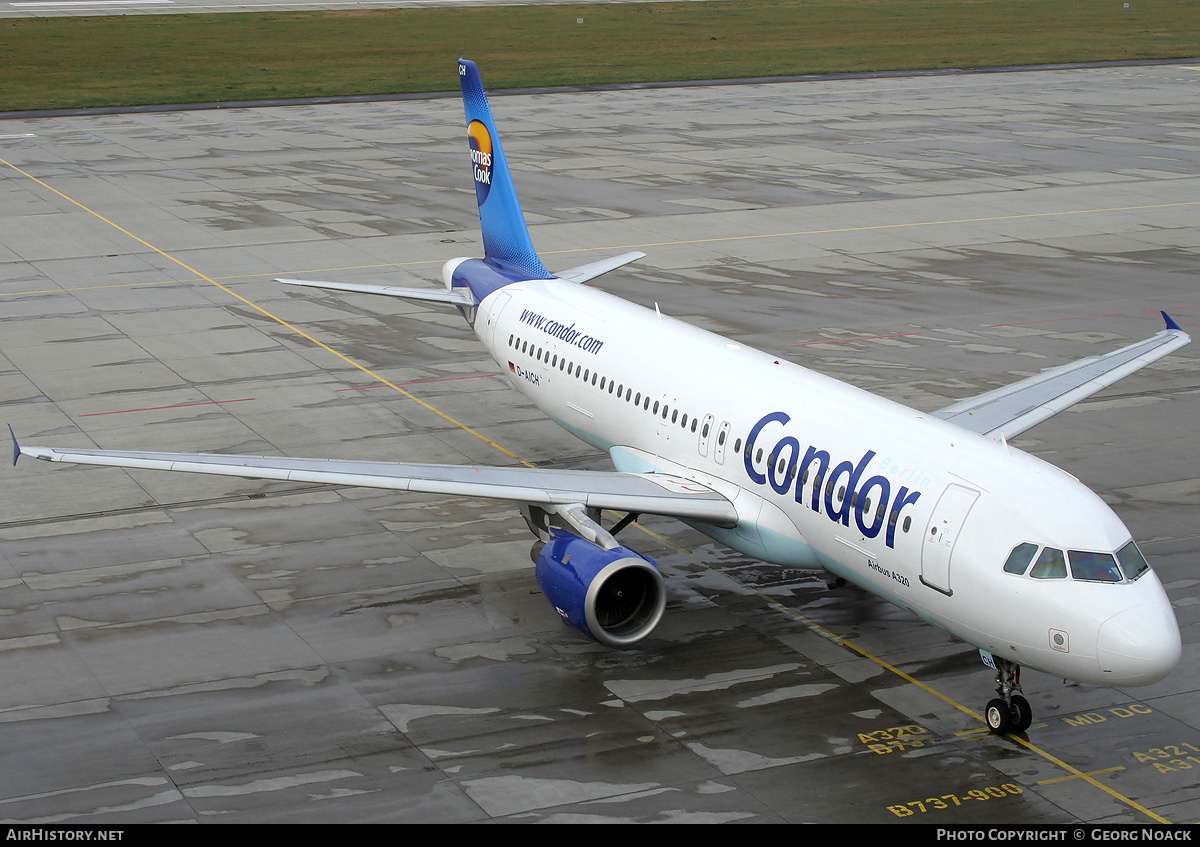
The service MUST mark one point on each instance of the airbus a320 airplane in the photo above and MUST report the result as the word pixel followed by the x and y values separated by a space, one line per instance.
pixel 932 512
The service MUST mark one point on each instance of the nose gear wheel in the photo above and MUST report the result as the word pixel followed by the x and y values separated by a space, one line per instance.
pixel 1010 712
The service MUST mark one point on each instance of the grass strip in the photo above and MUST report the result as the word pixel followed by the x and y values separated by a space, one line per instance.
pixel 72 62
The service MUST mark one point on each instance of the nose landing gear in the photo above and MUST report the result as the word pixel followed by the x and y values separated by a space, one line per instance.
pixel 1010 712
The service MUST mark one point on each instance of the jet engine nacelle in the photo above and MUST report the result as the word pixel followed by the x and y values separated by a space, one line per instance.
pixel 615 596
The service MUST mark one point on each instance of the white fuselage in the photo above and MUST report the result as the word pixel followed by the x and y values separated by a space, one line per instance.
pixel 909 507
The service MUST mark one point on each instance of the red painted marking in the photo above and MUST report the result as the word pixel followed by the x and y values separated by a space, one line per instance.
pixel 159 408
pixel 418 382
pixel 864 338
pixel 1048 320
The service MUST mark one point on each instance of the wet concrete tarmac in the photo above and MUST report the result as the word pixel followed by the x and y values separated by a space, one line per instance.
pixel 178 648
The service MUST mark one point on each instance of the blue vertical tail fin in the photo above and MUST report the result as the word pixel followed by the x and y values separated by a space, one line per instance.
pixel 506 241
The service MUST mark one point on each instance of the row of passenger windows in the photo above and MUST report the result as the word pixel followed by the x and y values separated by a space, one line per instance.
pixel 655 407
pixel 1126 565
pixel 553 360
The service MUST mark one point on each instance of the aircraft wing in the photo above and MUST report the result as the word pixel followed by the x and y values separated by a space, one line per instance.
pixel 656 494
pixel 1011 410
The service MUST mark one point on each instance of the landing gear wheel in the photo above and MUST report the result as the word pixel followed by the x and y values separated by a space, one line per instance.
pixel 1021 714
pixel 1010 712
pixel 998 716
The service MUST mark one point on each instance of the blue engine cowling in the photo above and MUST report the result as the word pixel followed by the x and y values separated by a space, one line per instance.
pixel 614 596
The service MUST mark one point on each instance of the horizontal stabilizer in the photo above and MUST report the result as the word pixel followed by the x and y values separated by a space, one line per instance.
pixel 590 271
pixel 1011 410
pixel 454 296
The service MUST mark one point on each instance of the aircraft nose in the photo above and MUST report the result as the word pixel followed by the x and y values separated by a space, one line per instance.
pixel 1139 646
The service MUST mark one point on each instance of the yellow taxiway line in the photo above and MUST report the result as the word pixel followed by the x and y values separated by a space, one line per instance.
pixel 1074 773
pixel 263 311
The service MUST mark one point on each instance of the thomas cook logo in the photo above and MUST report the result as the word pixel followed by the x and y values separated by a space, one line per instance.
pixel 481 159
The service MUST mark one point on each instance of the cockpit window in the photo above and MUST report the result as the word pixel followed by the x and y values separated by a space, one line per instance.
pixel 1132 563
pixel 1051 564
pixel 1020 557
pixel 1126 566
pixel 1095 567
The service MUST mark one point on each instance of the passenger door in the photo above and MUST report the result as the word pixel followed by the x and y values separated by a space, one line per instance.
pixel 493 317
pixel 942 533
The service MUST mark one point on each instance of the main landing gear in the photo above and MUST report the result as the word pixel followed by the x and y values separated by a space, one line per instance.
pixel 1010 712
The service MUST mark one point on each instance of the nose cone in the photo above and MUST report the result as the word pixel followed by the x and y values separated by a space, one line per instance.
pixel 1139 646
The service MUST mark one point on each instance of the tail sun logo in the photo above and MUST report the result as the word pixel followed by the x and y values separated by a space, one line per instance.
pixel 481 158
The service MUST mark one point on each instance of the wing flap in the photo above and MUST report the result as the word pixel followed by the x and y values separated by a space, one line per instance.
pixel 657 494
pixel 1015 408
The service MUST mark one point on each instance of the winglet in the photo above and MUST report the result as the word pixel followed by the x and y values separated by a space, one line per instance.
pixel 1170 322
pixel 506 240
pixel 16 446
